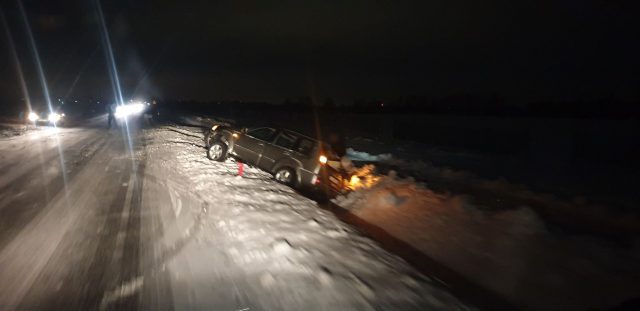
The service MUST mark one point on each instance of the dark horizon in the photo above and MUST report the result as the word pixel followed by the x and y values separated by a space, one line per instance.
pixel 557 52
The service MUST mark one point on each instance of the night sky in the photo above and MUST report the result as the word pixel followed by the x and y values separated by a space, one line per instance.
pixel 262 51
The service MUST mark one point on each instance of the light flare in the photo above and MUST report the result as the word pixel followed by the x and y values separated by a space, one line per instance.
pixel 45 91
pixel 54 117
pixel 113 73
pixel 323 159
pixel 129 110
pixel 33 117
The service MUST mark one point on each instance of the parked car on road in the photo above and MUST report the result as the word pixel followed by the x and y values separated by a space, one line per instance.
pixel 293 158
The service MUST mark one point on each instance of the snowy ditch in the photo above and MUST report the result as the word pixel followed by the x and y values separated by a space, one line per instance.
pixel 509 251
pixel 290 254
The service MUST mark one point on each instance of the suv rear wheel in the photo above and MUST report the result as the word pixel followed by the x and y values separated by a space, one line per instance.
pixel 285 176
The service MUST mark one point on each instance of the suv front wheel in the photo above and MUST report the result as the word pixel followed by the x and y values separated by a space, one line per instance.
pixel 217 151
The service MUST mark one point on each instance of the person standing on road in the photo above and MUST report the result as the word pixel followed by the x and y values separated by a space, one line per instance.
pixel 111 109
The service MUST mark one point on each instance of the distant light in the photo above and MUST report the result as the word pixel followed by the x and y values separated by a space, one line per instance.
pixel 33 117
pixel 54 117
pixel 130 109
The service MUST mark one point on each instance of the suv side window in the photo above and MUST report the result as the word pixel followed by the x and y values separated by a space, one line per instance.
pixel 263 133
pixel 304 146
pixel 286 140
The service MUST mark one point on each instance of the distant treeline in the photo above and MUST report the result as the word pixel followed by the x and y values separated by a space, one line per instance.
pixel 469 105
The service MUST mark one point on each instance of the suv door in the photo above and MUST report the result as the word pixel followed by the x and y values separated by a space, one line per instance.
pixel 249 146
pixel 280 148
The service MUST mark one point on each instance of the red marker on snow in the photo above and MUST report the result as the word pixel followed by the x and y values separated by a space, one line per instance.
pixel 240 168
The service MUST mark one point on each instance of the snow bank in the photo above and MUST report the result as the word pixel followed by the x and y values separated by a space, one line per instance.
pixel 366 157
pixel 565 212
pixel 10 129
pixel 203 121
pixel 509 251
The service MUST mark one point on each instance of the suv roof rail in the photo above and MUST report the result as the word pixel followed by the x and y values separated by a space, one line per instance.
pixel 300 134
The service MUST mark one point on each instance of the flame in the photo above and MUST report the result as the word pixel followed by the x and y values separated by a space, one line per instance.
pixel 363 178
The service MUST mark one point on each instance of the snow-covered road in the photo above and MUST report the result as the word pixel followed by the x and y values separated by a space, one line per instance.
pixel 91 220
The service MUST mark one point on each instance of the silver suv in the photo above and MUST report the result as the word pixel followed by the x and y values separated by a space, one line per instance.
pixel 293 158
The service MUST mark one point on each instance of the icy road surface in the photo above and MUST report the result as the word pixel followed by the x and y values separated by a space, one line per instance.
pixel 86 223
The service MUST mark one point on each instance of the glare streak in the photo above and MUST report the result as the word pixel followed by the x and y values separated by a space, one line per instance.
pixel 113 73
pixel 45 91
pixel 111 63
